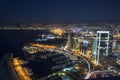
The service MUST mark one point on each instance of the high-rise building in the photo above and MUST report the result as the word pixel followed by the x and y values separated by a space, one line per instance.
pixel 101 45
pixel 70 42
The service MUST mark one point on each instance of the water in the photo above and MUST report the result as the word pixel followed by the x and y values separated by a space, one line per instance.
pixel 11 41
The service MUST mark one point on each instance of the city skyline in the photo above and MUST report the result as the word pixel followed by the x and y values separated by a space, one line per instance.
pixel 60 11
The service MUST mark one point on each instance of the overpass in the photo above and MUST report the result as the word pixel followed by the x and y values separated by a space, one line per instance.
pixel 94 72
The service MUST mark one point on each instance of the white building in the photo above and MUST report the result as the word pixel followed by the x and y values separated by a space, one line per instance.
pixel 101 45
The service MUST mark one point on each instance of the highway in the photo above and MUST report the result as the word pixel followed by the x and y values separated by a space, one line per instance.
pixel 94 72
pixel 89 67
pixel 90 71
pixel 79 54
pixel 67 53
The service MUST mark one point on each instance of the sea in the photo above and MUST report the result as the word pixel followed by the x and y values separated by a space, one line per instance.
pixel 11 41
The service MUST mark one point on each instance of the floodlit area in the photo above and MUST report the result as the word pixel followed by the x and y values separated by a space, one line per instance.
pixel 21 71
pixel 58 31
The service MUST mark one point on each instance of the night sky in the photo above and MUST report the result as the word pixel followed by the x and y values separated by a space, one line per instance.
pixel 59 11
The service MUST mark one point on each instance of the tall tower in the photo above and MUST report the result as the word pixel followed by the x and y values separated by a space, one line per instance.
pixel 70 42
pixel 75 42
pixel 101 45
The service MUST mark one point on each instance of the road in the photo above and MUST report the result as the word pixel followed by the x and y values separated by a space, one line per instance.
pixel 89 67
pixel 94 72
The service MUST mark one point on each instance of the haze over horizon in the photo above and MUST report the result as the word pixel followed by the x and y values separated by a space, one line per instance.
pixel 59 11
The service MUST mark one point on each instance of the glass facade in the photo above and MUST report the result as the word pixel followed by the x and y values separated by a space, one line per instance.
pixel 101 45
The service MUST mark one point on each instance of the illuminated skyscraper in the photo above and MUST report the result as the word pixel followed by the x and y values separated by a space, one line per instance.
pixel 69 41
pixel 76 44
pixel 101 45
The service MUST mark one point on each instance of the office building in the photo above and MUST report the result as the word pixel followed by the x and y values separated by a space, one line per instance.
pixel 102 45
